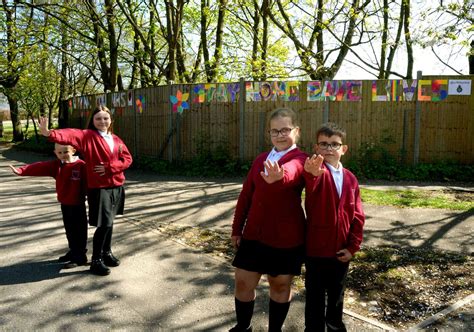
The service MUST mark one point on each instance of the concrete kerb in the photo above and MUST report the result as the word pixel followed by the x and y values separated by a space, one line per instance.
pixel 443 313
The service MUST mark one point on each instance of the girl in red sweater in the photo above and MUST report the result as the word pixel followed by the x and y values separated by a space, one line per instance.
pixel 268 227
pixel 106 158
pixel 70 174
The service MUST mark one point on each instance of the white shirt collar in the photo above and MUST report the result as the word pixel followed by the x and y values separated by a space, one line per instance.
pixel 334 169
pixel 338 176
pixel 108 138
pixel 275 155
pixel 104 134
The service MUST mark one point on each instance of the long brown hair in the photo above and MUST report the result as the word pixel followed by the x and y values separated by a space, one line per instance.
pixel 100 108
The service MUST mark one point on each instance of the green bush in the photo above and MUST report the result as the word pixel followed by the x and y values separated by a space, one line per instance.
pixel 374 162
pixel 36 144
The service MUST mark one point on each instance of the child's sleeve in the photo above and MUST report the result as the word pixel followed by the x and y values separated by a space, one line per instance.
pixel 357 224
pixel 69 136
pixel 243 203
pixel 41 168
pixel 311 181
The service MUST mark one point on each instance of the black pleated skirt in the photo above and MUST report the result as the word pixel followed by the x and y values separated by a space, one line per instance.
pixel 257 257
pixel 104 205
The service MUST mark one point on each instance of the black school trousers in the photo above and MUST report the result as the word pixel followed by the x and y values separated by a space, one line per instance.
pixel 75 225
pixel 324 276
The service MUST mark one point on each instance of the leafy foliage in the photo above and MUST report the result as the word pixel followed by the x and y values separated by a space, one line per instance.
pixel 207 163
pixel 375 162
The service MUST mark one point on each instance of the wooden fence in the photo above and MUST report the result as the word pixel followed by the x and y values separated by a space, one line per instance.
pixel 429 126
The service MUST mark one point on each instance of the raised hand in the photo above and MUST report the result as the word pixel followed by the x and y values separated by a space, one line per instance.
pixel 14 169
pixel 43 126
pixel 313 165
pixel 273 172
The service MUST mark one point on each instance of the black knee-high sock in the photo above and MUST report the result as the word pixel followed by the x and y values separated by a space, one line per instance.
pixel 108 240
pixel 277 315
pixel 244 313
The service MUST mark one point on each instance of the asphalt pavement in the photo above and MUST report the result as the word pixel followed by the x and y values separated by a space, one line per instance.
pixel 161 284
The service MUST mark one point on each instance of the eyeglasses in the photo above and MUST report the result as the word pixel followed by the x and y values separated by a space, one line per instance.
pixel 283 131
pixel 334 145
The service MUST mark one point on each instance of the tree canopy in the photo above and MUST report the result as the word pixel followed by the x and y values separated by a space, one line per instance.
pixel 91 46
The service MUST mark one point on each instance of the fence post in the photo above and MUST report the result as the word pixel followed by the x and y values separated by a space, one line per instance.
pixel 326 110
pixel 416 145
pixel 134 110
pixel 170 122
pixel 242 95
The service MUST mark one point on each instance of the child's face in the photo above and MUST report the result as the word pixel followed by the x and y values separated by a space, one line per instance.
pixel 64 153
pixel 331 148
pixel 283 133
pixel 102 121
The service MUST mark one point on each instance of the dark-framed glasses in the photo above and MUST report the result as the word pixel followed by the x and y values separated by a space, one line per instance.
pixel 283 131
pixel 325 145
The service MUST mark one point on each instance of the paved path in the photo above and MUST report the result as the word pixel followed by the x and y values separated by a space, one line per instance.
pixel 161 285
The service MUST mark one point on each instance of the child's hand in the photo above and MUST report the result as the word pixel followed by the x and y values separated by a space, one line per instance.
pixel 313 165
pixel 236 241
pixel 100 169
pixel 344 255
pixel 274 172
pixel 14 169
pixel 43 126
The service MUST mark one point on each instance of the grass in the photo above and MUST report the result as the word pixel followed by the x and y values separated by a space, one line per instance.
pixel 8 131
pixel 447 199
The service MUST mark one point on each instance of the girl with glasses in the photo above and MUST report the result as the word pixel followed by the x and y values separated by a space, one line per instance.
pixel 268 226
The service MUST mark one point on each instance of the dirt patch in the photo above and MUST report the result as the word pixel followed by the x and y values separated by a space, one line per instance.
pixel 400 287
pixel 461 196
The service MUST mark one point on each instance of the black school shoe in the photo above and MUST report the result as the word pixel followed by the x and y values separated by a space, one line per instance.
pixel 110 260
pixel 98 268
pixel 76 261
pixel 65 258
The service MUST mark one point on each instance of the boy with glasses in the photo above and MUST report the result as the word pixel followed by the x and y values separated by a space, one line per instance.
pixel 335 221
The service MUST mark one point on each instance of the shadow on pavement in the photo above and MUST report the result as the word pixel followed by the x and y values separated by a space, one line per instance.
pixel 28 272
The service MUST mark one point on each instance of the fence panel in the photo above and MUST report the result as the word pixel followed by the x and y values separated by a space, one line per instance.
pixel 210 118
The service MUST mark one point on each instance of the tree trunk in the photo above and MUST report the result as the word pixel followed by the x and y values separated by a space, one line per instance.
pixel 383 48
pixel 406 25
pixel 63 116
pixel 170 36
pixel 15 117
pixel 255 42
pixel 471 59
pixel 205 49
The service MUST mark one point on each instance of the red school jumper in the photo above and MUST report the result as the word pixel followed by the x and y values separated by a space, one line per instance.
pixel 272 213
pixel 95 151
pixel 70 178
pixel 333 223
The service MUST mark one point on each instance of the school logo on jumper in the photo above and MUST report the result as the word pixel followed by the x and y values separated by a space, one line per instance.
pixel 75 175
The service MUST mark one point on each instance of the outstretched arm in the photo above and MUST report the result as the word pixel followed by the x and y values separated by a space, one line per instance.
pixel 313 165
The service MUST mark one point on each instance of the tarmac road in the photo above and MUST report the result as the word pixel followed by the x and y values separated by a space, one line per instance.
pixel 161 284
